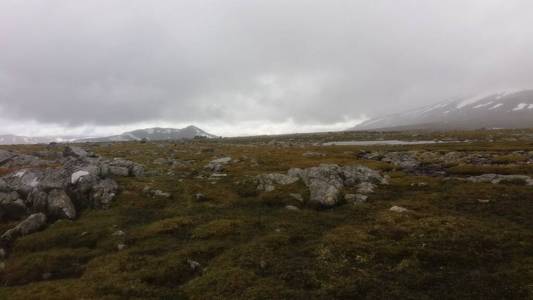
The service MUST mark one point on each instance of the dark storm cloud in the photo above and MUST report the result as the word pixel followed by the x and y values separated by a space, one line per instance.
pixel 122 62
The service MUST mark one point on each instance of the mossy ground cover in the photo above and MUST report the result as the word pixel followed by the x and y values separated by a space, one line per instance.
pixel 460 240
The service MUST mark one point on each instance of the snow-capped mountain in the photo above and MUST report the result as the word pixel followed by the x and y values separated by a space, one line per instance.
pixel 512 109
pixel 154 134
pixel 9 139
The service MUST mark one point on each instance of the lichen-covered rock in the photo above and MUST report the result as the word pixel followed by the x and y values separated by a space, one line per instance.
pixel 217 165
pixel 60 206
pixel 31 224
pixel 104 193
pixel 37 201
pixel 267 182
pixel 74 151
pixel 326 181
pixel 497 178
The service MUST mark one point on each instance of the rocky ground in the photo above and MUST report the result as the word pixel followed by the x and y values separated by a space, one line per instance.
pixel 270 218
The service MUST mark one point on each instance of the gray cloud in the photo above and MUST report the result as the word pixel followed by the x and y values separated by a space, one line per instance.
pixel 112 62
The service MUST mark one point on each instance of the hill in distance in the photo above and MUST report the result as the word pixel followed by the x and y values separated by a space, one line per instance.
pixel 153 134
pixel 504 110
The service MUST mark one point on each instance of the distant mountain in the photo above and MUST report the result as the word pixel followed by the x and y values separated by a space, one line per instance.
pixel 494 110
pixel 154 134
pixel 9 139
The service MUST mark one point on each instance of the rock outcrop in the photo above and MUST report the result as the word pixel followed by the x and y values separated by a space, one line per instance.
pixel 59 187
pixel 326 182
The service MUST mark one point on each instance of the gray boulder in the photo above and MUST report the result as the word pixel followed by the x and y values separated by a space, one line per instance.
pixel 11 206
pixel 5 156
pixel 60 206
pixel 324 182
pixel 217 165
pixel 267 182
pixel 104 193
pixel 37 201
pixel 74 151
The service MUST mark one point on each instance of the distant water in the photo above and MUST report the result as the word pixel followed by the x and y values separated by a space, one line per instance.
pixel 385 142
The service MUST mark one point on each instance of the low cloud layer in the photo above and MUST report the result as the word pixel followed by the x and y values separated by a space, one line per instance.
pixel 245 65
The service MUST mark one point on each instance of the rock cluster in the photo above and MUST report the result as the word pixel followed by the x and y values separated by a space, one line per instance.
pixel 326 182
pixel 497 178
pixel 56 189
pixel 217 165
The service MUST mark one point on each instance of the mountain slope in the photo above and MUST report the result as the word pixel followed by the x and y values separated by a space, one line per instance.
pixel 154 134
pixel 495 110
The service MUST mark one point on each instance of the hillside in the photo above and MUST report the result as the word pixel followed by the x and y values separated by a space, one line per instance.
pixel 494 110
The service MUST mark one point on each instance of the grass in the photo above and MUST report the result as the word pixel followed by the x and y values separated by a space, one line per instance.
pixel 249 246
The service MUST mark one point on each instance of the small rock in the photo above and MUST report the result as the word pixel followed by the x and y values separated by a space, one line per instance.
pixel 313 154
pixel 484 201
pixel 292 207
pixel 399 209
pixel 47 276
pixel 159 193
pixel 121 247
pixel 200 197
pixel 119 233
pixel 195 266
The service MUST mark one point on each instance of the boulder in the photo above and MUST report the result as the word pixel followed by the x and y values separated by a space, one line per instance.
pixel 5 156
pixel 324 183
pixel 31 224
pixel 267 182
pixel 60 206
pixel 37 201
pixel 217 165
pixel 11 206
pixel 104 193
pixel 404 160
pixel 74 151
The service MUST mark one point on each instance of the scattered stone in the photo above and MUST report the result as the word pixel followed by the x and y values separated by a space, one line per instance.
pixel 200 197
pixel 483 201
pixel 399 209
pixel 159 193
pixel 121 247
pixel 313 154
pixel 119 233
pixel 218 165
pixel 498 179
pixel 194 265
pixel 292 207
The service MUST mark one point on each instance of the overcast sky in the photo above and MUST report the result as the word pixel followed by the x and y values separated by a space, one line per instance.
pixel 249 66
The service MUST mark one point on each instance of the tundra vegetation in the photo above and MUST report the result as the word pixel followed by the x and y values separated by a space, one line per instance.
pixel 280 217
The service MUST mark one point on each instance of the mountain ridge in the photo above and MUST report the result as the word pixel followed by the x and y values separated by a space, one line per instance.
pixel 511 109
pixel 151 134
